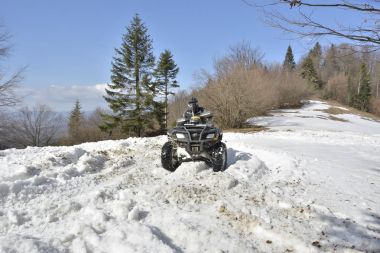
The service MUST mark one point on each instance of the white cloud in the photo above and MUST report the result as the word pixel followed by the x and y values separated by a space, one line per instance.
pixel 62 98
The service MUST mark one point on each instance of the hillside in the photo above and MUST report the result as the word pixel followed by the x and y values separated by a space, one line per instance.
pixel 310 183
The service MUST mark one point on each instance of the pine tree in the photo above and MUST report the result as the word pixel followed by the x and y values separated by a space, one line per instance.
pixel 289 63
pixel 130 94
pixel 165 74
pixel 362 99
pixel 330 64
pixel 308 72
pixel 315 54
pixel 75 121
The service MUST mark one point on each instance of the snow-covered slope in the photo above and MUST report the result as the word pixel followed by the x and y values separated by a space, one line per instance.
pixel 310 184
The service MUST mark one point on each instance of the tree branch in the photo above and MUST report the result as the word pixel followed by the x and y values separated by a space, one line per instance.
pixel 344 4
pixel 366 33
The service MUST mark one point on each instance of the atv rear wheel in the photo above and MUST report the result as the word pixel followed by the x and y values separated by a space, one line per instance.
pixel 219 157
pixel 168 159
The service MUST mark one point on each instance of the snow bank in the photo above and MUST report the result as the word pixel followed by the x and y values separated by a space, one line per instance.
pixel 309 189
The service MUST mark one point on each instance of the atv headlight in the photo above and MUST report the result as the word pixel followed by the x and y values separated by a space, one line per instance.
pixel 210 136
pixel 180 136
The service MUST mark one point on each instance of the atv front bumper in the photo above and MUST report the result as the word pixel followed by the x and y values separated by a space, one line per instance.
pixel 195 147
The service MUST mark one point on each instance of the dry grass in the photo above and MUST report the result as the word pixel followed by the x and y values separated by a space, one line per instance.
pixel 350 110
pixel 251 129
pixel 337 119
pixel 334 111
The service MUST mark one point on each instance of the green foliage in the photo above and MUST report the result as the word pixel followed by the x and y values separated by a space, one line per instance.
pixel 309 73
pixel 362 100
pixel 165 74
pixel 289 63
pixel 130 95
pixel 75 120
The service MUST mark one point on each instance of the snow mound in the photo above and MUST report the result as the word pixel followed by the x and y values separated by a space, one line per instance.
pixel 307 185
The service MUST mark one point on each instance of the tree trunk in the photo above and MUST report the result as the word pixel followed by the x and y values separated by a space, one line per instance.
pixel 166 105
pixel 137 79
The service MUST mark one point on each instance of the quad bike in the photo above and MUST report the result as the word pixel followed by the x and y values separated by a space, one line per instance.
pixel 194 141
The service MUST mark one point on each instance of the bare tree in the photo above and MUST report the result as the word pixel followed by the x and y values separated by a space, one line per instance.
pixel 8 96
pixel 299 19
pixel 38 126
pixel 5 126
pixel 243 87
pixel 177 105
pixel 240 55
pixel 8 84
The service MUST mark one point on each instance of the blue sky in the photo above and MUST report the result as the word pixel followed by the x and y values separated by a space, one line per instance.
pixel 68 45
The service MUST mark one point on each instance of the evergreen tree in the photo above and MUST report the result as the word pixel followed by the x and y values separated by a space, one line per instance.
pixel 130 94
pixel 289 63
pixel 75 121
pixel 330 64
pixel 308 72
pixel 316 52
pixel 315 55
pixel 362 99
pixel 165 74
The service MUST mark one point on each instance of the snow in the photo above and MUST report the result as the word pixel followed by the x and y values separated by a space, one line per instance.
pixel 309 184
pixel 312 117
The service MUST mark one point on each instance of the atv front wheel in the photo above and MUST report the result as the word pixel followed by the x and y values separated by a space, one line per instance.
pixel 168 159
pixel 219 157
